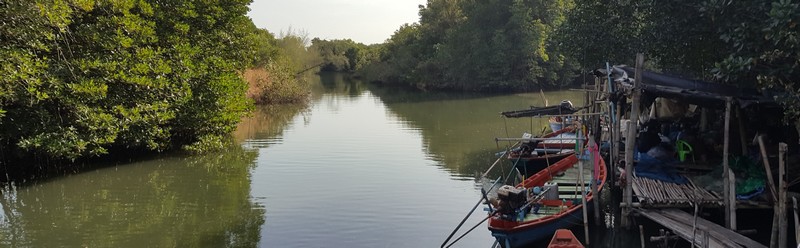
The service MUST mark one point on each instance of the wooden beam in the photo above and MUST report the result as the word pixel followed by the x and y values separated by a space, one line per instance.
pixel 581 162
pixel 731 208
pixel 726 191
pixel 782 227
pixel 714 229
pixel 796 222
pixel 630 140
pixel 767 168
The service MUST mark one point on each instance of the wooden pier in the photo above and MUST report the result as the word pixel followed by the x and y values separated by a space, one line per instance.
pixel 704 233
pixel 661 201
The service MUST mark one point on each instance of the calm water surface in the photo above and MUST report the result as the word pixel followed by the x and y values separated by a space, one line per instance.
pixel 360 166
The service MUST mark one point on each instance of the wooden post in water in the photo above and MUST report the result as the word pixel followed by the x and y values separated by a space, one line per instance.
pixel 732 207
pixel 641 235
pixel 782 225
pixel 796 222
pixel 767 168
pixel 630 140
pixel 581 161
pixel 595 190
pixel 726 191
pixel 614 128
pixel 773 239
pixel 595 136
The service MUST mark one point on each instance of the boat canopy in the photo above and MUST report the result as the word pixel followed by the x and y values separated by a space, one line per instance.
pixel 691 91
pixel 564 108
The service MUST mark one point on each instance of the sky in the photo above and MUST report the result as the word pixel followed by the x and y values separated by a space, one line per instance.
pixel 365 21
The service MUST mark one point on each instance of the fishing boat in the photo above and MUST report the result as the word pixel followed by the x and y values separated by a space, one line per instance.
pixel 545 202
pixel 564 239
pixel 557 123
pixel 532 156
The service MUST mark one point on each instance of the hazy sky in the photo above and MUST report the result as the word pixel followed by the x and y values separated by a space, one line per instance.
pixel 366 21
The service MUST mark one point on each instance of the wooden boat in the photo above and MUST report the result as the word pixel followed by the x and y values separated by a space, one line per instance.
pixel 557 204
pixel 564 239
pixel 531 157
pixel 531 164
pixel 556 123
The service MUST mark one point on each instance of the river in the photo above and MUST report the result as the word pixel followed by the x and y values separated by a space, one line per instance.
pixel 360 166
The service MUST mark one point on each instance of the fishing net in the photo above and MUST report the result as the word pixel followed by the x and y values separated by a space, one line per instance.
pixel 750 177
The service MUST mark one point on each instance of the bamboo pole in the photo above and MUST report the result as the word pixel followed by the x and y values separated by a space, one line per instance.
pixel 498 159
pixel 725 170
pixel 796 222
pixel 614 114
pixel 630 141
pixel 782 227
pixel 583 189
pixel 767 168
pixel 641 235
pixel 732 194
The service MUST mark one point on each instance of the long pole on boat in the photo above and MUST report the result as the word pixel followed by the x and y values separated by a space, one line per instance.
pixel 498 159
pixel 468 231
pixel 483 197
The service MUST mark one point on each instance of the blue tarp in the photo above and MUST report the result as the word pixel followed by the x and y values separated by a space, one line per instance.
pixel 658 169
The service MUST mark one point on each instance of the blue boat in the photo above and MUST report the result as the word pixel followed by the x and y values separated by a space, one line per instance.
pixel 547 207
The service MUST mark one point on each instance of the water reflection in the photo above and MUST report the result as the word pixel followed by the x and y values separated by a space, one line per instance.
pixel 335 83
pixel 167 202
pixel 459 129
pixel 267 123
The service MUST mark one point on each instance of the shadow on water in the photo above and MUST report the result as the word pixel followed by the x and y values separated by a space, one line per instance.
pixel 335 83
pixel 267 123
pixel 459 130
pixel 152 200
pixel 173 201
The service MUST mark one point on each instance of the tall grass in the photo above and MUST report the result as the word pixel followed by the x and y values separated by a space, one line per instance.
pixel 275 84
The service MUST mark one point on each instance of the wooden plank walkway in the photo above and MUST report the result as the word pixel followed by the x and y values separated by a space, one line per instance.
pixel 681 222
pixel 655 192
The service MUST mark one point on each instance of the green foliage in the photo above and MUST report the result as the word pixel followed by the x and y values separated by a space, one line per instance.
pixel 763 46
pixel 595 32
pixel 82 77
pixel 343 55
pixel 266 47
pixel 494 45
pixel 275 77
pixel 749 43
pixel 295 52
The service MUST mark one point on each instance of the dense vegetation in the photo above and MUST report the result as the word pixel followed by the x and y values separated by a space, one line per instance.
pixel 84 77
pixel 343 55
pixel 748 43
pixel 278 61
pixel 496 45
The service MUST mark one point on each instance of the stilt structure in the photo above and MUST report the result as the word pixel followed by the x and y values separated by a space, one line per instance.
pixel 726 191
pixel 630 140
pixel 657 197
